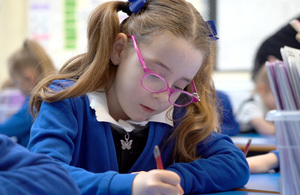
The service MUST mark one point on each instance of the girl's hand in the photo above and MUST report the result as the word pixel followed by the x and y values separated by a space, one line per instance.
pixel 156 182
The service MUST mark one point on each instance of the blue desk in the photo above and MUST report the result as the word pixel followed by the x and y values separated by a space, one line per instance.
pixel 258 184
pixel 264 181
pixel 239 193
pixel 259 143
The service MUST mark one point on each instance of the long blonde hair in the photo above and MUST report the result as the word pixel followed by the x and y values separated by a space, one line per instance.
pixel 93 70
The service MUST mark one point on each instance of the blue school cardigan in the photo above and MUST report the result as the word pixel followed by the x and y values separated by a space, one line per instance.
pixel 23 172
pixel 68 131
pixel 229 125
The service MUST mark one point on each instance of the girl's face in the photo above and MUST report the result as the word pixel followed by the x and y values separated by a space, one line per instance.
pixel 268 99
pixel 21 81
pixel 175 59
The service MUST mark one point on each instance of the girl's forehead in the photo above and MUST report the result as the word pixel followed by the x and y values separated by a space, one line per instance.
pixel 172 51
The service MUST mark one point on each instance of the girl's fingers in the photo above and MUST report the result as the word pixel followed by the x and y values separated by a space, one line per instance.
pixel 165 188
pixel 170 177
pixel 157 182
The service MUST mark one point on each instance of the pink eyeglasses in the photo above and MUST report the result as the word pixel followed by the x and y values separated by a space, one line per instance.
pixel 156 84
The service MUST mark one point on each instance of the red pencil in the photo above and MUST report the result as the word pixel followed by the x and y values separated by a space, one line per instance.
pixel 247 146
pixel 157 156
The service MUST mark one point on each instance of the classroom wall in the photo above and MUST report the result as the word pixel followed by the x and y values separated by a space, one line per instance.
pixel 45 20
pixel 244 24
pixel 13 29
pixel 242 27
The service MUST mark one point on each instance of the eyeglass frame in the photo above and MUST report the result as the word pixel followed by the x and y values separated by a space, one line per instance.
pixel 147 71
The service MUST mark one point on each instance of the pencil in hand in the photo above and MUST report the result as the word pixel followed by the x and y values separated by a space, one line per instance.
pixel 247 146
pixel 157 156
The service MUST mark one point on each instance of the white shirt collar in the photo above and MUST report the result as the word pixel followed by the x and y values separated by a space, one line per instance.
pixel 98 102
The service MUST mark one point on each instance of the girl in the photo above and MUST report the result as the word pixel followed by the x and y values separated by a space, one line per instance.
pixel 251 113
pixel 134 88
pixel 27 66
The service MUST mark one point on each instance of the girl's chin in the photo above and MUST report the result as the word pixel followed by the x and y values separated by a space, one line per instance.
pixel 140 118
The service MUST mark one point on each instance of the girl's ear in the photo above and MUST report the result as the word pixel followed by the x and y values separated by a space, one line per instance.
pixel 118 47
pixel 30 76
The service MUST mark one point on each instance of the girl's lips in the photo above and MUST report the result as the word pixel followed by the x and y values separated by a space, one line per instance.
pixel 147 109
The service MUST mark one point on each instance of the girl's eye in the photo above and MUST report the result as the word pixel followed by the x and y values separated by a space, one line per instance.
pixel 177 87
pixel 154 77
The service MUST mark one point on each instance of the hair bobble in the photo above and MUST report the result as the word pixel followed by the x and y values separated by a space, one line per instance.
pixel 212 30
pixel 133 6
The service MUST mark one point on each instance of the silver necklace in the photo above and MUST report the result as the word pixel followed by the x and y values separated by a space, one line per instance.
pixel 127 143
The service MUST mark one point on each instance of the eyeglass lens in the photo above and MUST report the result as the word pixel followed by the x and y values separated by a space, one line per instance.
pixel 155 84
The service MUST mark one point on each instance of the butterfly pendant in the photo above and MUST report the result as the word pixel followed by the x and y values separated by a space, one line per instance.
pixel 127 143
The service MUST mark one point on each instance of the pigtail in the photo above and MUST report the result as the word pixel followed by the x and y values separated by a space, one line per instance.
pixel 103 28
pixel 89 71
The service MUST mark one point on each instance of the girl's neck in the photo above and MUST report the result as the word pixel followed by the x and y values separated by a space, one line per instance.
pixel 114 107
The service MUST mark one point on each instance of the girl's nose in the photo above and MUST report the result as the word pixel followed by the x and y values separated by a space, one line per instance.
pixel 162 96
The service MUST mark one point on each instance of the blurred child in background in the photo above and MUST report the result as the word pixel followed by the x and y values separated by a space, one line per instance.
pixel 27 66
pixel 252 111
pixel 251 114
pixel 266 162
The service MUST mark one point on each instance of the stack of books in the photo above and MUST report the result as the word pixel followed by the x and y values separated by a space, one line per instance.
pixel 284 77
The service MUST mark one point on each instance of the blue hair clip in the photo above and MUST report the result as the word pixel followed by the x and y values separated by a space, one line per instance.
pixel 212 30
pixel 136 5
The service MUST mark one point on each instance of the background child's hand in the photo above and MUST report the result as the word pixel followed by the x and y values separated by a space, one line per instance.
pixel 156 182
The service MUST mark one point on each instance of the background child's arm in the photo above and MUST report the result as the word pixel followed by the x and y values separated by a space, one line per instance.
pixel 263 163
pixel 262 126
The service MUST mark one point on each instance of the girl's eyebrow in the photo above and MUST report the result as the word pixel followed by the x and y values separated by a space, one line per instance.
pixel 156 61
pixel 166 68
